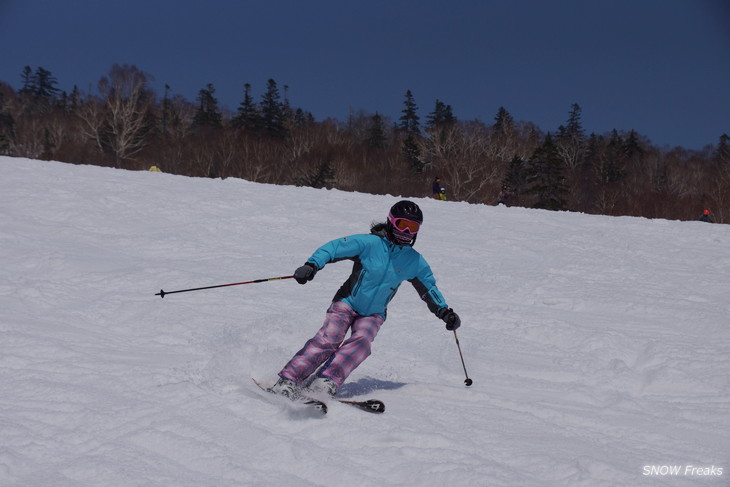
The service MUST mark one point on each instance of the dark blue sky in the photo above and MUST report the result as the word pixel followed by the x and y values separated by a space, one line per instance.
pixel 660 67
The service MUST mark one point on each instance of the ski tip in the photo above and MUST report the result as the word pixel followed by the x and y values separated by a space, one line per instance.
pixel 375 406
pixel 316 404
pixel 370 405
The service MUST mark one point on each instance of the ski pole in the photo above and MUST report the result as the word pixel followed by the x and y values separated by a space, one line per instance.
pixel 162 293
pixel 468 381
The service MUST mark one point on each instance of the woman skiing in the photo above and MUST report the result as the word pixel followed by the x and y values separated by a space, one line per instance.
pixel 382 259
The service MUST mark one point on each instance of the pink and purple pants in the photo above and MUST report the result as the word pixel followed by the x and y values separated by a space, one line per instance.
pixel 329 347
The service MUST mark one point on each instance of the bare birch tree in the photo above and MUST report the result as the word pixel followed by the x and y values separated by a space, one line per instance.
pixel 127 100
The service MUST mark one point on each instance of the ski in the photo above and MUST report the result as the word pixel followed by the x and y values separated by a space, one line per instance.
pixel 368 405
pixel 321 406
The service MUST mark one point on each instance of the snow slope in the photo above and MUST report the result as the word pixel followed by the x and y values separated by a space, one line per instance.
pixel 598 346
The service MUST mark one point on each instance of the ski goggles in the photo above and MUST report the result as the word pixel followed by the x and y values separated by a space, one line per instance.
pixel 404 224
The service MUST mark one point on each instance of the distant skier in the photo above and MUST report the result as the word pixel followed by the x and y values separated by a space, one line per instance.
pixel 505 197
pixel 706 217
pixel 383 259
pixel 438 191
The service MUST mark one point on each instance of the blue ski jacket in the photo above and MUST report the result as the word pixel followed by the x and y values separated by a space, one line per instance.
pixel 379 269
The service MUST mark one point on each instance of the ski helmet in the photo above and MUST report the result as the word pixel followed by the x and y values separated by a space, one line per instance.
pixel 404 221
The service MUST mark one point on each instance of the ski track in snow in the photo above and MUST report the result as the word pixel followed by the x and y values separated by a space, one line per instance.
pixel 597 345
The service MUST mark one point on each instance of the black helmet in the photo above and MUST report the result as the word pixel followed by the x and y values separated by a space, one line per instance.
pixel 404 221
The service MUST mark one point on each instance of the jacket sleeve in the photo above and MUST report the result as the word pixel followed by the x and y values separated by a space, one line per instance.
pixel 340 249
pixel 425 285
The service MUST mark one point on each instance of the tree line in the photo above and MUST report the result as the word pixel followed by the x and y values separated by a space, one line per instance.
pixel 125 124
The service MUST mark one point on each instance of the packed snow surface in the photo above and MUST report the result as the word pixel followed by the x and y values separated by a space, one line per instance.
pixel 599 347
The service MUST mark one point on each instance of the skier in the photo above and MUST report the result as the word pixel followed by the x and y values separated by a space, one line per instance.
pixel 706 217
pixel 439 192
pixel 382 259
pixel 504 197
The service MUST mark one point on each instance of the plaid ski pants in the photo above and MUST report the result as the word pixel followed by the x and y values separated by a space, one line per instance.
pixel 327 346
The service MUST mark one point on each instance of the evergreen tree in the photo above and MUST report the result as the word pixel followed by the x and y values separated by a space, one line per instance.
pixel 722 153
pixel 504 124
pixel 612 170
pixel 570 141
pixel 302 118
pixel 28 88
pixel 574 128
pixel 286 109
pixel 323 176
pixel 7 124
pixel 207 114
pixel 166 111
pixel 376 133
pixel 595 149
pixel 409 121
pixel 412 153
pixel 39 92
pixel 515 177
pixel 442 115
pixel 632 147
pixel 66 103
pixel 248 116
pixel 272 111
pixel 74 100
pixel 546 177
pixel 45 84
pixel 410 124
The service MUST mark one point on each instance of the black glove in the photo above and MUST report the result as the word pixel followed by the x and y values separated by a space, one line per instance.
pixel 451 319
pixel 305 273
